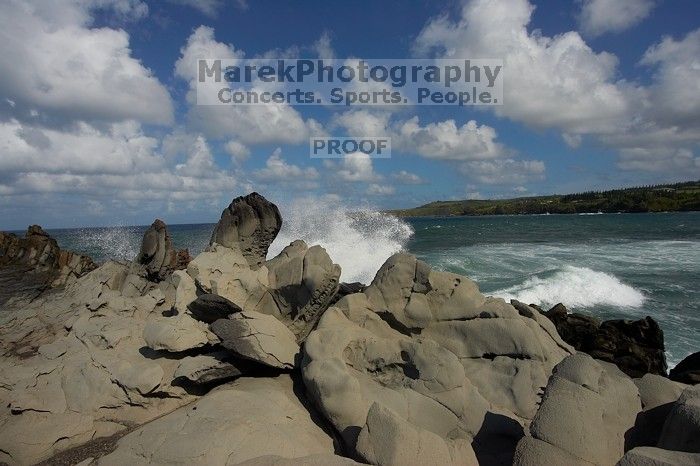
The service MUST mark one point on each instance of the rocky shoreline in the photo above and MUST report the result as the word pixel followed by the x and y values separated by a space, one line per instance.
pixel 229 358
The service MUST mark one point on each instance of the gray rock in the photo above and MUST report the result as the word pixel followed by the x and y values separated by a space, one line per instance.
pixel 688 370
pixel 157 255
pixel 658 394
pixel 209 308
pixel 303 282
pixel 650 456
pixel 388 440
pixel 258 337
pixel 240 421
pixel 432 349
pixel 682 428
pixel 250 224
pixel 311 460
pixel 587 409
pixel 207 368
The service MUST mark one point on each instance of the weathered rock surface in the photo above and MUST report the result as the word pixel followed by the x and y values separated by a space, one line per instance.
pixel 682 428
pixel 157 256
pixel 249 224
pixel 688 370
pixel 72 367
pixel 650 456
pixel 587 410
pixel 636 347
pixel 658 394
pixel 209 308
pixel 207 368
pixel 428 346
pixel 258 337
pixel 311 460
pixel 240 421
pixel 303 280
pixel 386 439
pixel 32 263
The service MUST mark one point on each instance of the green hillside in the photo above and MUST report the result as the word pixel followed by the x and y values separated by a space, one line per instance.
pixel 661 198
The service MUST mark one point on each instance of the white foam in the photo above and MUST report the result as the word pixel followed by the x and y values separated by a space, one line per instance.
pixel 577 287
pixel 359 240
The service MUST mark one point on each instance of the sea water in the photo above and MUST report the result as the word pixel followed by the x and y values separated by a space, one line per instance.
pixel 609 265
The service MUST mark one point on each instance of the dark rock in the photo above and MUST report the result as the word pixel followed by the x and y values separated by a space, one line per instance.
pixel 35 262
pixel 210 308
pixel 636 347
pixel 688 370
pixel 345 289
pixel 249 224
pixel 157 255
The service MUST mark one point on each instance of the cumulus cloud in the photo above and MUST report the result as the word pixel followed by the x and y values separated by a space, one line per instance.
pixel 277 169
pixel 375 189
pixel 354 168
pixel 560 82
pixel 238 152
pixel 249 124
pixel 54 64
pixel 602 16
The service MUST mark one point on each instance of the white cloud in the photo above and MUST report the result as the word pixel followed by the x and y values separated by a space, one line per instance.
pixel 238 152
pixel 380 190
pixel 506 171
pixel 249 124
pixel 277 169
pixel 354 168
pixel 323 46
pixel 52 62
pixel 208 7
pixel 404 177
pixel 601 16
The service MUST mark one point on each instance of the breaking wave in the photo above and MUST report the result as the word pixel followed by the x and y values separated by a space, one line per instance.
pixel 359 240
pixel 576 287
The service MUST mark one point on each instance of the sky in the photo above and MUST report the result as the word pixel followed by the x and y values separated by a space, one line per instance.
pixel 99 123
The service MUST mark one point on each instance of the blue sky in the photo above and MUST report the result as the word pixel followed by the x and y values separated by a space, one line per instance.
pixel 98 125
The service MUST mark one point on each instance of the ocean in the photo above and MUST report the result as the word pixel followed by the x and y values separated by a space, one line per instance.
pixel 608 265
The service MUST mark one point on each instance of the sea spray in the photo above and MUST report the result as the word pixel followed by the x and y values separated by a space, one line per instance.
pixel 360 240
pixel 116 243
pixel 577 287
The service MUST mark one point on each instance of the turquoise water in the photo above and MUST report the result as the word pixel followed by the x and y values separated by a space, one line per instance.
pixel 612 266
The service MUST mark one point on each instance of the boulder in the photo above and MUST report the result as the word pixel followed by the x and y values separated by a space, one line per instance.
pixel 657 394
pixel 240 421
pixel 311 460
pixel 432 349
pixel 682 428
pixel 650 456
pixel 258 337
pixel 386 440
pixel 636 347
pixel 177 333
pixel 209 308
pixel 688 370
pixel 249 224
pixel 303 281
pixel 157 256
pixel 587 411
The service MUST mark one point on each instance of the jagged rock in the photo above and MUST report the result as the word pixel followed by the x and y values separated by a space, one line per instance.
pixel 431 348
pixel 688 370
pixel 345 289
pixel 303 281
pixel 225 272
pixel 157 255
pixel 636 347
pixel 249 224
pixel 209 308
pixel 246 419
pixel 650 456
pixel 587 409
pixel 34 262
pixel 258 337
pixel 386 440
pixel 206 368
pixel 682 428
pixel 658 394
pixel 178 333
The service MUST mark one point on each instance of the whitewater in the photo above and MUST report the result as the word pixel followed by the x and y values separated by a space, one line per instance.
pixel 612 266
